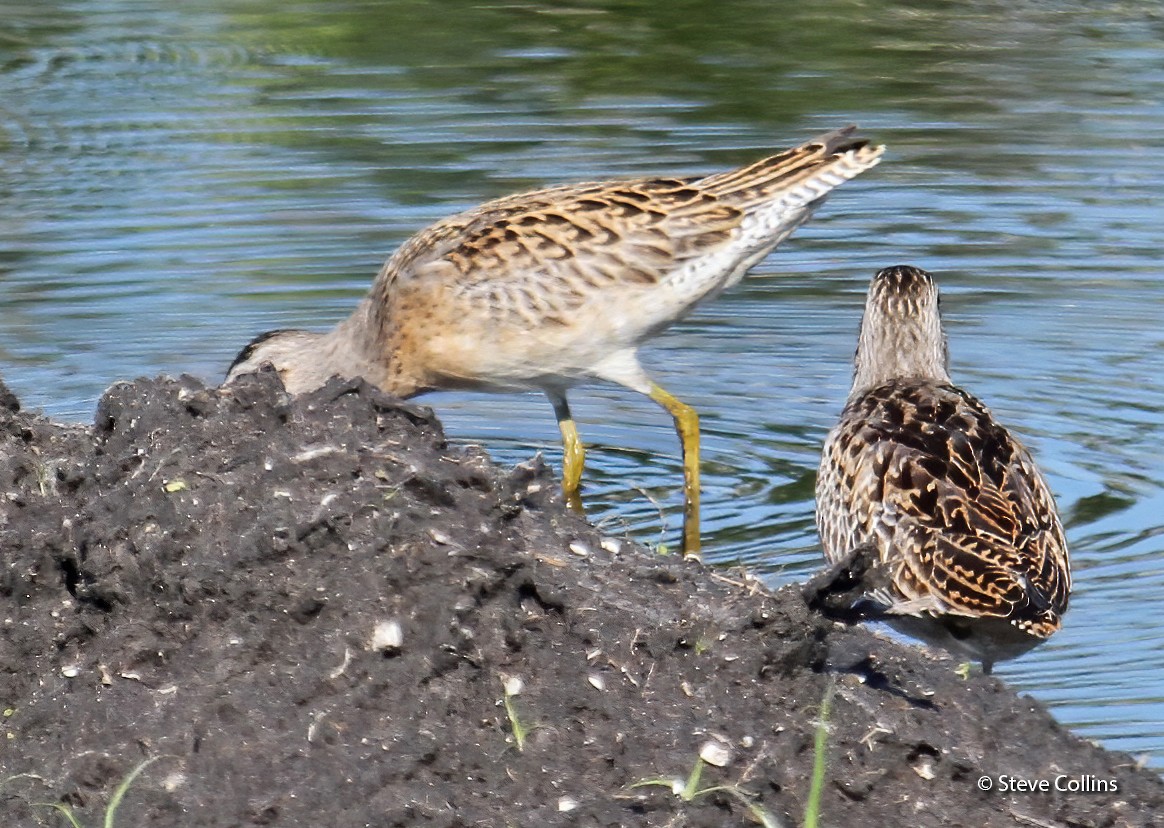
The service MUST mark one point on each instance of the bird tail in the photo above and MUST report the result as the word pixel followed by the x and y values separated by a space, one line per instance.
pixel 799 176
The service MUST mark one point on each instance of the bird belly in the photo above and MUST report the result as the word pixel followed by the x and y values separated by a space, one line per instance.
pixel 519 358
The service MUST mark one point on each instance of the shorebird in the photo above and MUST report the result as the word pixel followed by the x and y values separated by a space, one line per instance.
pixel 962 544
pixel 549 289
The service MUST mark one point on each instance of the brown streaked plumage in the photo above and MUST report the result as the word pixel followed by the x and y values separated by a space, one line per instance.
pixel 549 289
pixel 965 544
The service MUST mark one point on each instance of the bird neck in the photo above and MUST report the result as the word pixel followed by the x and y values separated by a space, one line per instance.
pixel 362 346
pixel 913 349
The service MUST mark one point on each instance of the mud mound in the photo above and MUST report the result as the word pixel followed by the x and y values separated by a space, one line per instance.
pixel 310 611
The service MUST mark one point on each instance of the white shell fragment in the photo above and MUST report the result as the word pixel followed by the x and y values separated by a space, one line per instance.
pixel 513 685
pixel 339 671
pixel 924 767
pixel 387 635
pixel 715 752
pixel 310 454
pixel 580 549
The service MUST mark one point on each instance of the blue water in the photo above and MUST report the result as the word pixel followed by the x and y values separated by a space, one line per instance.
pixel 178 177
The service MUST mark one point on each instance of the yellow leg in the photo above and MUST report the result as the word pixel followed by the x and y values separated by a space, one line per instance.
pixel 687 425
pixel 573 454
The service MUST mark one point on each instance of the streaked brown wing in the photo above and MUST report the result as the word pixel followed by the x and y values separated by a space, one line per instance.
pixel 958 510
pixel 546 255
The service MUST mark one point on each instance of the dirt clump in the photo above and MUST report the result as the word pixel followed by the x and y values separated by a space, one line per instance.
pixel 310 612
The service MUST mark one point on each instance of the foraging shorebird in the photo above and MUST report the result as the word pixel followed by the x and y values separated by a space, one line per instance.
pixel 962 542
pixel 549 289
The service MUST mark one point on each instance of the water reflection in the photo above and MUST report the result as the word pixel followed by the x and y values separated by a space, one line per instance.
pixel 178 178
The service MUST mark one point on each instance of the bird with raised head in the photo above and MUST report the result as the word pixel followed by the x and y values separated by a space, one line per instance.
pixel 922 490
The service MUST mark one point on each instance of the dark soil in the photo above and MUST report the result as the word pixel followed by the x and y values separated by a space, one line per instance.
pixel 201 576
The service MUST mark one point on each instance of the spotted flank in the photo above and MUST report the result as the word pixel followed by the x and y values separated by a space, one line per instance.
pixel 967 549
pixel 550 289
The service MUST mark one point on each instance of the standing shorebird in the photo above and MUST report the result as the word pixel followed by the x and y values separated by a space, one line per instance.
pixel 549 289
pixel 957 528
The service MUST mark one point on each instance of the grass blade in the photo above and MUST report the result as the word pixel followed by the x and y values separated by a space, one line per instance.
pixel 119 793
pixel 819 759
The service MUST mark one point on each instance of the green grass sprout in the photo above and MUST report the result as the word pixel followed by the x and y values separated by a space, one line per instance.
pixel 688 790
pixel 512 687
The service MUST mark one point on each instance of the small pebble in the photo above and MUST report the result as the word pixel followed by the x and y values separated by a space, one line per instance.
pixel 597 681
pixel 580 549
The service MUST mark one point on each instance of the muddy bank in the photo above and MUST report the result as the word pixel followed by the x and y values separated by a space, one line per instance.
pixel 309 610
